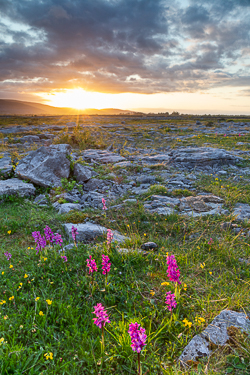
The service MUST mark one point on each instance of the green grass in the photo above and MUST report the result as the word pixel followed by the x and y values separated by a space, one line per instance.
pixel 228 189
pixel 135 293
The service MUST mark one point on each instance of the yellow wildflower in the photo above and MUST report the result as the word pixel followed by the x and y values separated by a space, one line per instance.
pixel 5 317
pixel 25 276
pixel 202 265
pixel 11 266
pixel 187 323
pixel 9 231
pixel 165 283
pixel 37 298
pixel 49 302
pixel 152 292
pixel 184 286
pixel 48 355
pixel 2 302
pixel 210 272
pixel 41 313
pixel 199 320
pixel 11 298
pixel 21 284
pixel 3 273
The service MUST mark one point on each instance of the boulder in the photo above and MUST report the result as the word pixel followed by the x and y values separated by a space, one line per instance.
pixel 202 156
pixel 45 166
pixel 217 333
pixel 82 173
pixel 5 165
pixel 90 231
pixel 16 187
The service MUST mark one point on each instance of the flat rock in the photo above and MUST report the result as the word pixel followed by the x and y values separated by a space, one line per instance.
pixel 242 211
pixel 155 159
pixel 30 138
pixel 201 156
pixel 16 187
pixel 163 211
pixel 102 156
pixel 123 164
pixel 215 333
pixel 172 202
pixel 90 231
pixel 82 173
pixel 202 205
pixel 67 207
pixel 5 165
pixel 146 179
pixel 197 348
pixel 45 166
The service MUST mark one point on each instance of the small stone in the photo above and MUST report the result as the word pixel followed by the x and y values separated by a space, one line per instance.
pixel 226 225
pixel 149 246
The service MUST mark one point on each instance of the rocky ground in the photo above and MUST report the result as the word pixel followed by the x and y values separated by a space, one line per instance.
pixel 186 169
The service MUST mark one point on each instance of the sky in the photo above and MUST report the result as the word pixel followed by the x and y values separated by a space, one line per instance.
pixel 191 56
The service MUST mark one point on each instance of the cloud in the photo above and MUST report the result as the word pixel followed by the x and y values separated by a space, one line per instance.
pixel 99 45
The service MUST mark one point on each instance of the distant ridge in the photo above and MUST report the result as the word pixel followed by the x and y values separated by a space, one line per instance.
pixel 18 107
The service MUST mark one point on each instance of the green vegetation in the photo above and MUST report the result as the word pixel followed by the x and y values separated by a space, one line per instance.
pixel 228 189
pixel 81 139
pixel 51 312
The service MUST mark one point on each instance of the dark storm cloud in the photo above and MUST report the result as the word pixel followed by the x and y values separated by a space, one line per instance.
pixel 123 45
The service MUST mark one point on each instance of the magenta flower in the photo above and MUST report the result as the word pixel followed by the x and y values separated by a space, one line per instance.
pixel 64 258
pixel 74 233
pixel 58 239
pixel 170 301
pixel 39 240
pixel 109 236
pixel 91 264
pixel 49 235
pixel 138 337
pixel 8 255
pixel 210 241
pixel 173 271
pixel 105 264
pixel 239 135
pixel 101 316
pixel 104 204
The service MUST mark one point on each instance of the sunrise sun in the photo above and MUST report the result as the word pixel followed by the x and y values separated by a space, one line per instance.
pixel 77 98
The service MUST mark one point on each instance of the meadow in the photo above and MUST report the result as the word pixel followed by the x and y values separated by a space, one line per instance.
pixel 47 301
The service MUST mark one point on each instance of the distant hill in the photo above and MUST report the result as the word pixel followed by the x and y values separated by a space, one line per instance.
pixel 17 107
